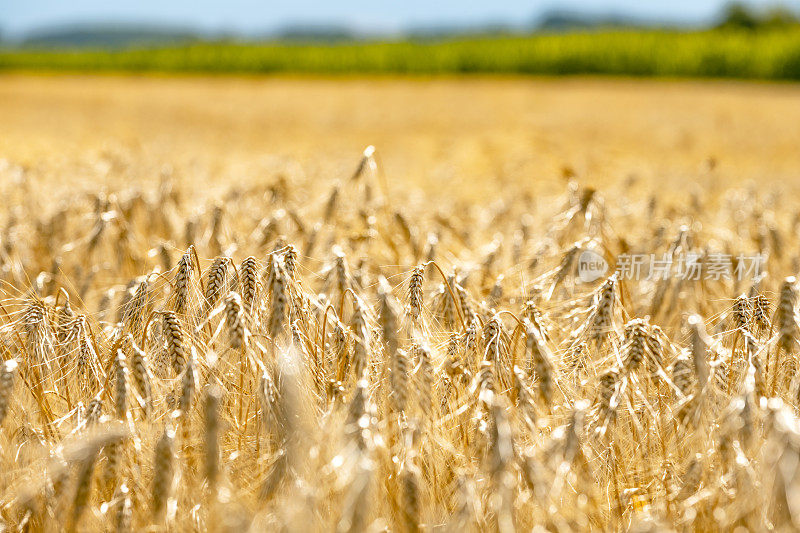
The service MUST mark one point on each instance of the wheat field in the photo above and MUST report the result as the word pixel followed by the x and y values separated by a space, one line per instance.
pixel 363 305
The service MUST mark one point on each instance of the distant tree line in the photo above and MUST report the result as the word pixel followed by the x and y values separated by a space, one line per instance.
pixel 741 16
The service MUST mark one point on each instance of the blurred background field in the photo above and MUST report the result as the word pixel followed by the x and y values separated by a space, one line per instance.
pixel 773 54
pixel 759 41
pixel 452 138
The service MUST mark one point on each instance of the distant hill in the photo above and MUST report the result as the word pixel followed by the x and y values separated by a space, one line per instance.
pixel 107 36
pixel 315 33
pixel 117 36
pixel 569 20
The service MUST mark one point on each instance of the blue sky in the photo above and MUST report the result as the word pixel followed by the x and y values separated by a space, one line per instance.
pixel 252 16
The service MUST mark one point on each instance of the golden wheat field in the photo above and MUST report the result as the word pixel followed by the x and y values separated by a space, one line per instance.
pixel 551 305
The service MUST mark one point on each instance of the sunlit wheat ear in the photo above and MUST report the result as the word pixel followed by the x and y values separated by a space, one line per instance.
pixel 415 292
pixel 742 313
pixel 575 430
pixel 38 341
pixel 751 349
pixel 120 385
pixel 602 322
pixel 341 271
pixel 501 453
pixel 456 375
pixel 83 489
pixel 140 375
pixel 188 386
pixel 234 321
pixel 136 307
pixel 356 423
pixel 362 339
pixel 267 393
pixel 358 503
pixel 464 301
pixel 190 231
pixel 58 474
pixel 761 311
pixel 183 278
pixel 407 233
pixel 288 415
pixel 492 341
pixel 484 386
pixel 525 399
pixel 539 363
pixel 277 317
pixel 496 294
pixel 431 244
pixel 699 342
pixel 748 410
pixel 409 490
pixel 94 410
pixel 387 316
pixel 684 378
pixel 607 399
pixel 84 455
pixel 290 261
pixel 489 261
pixel 267 229
pixel 173 334
pixel 331 204
pixel 215 281
pixel 781 432
pixel 692 478
pixel 654 341
pixel 68 333
pixel 216 227
pixel 163 474
pixel 7 373
pixel 785 316
pixel 112 453
pixel 86 353
pixel 471 347
pixel 96 234
pixel 276 474
pixel 564 269
pixel 359 275
pixel 399 380
pixel 634 347
pixel 164 255
pixel 367 162
pixel 453 351
pixel 211 426
pixel 425 380
pixel 125 300
pixel 339 352
pixel 464 497
pixel 64 316
pixel 248 283
pixel 123 516
pixel 311 240
pixel 444 306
